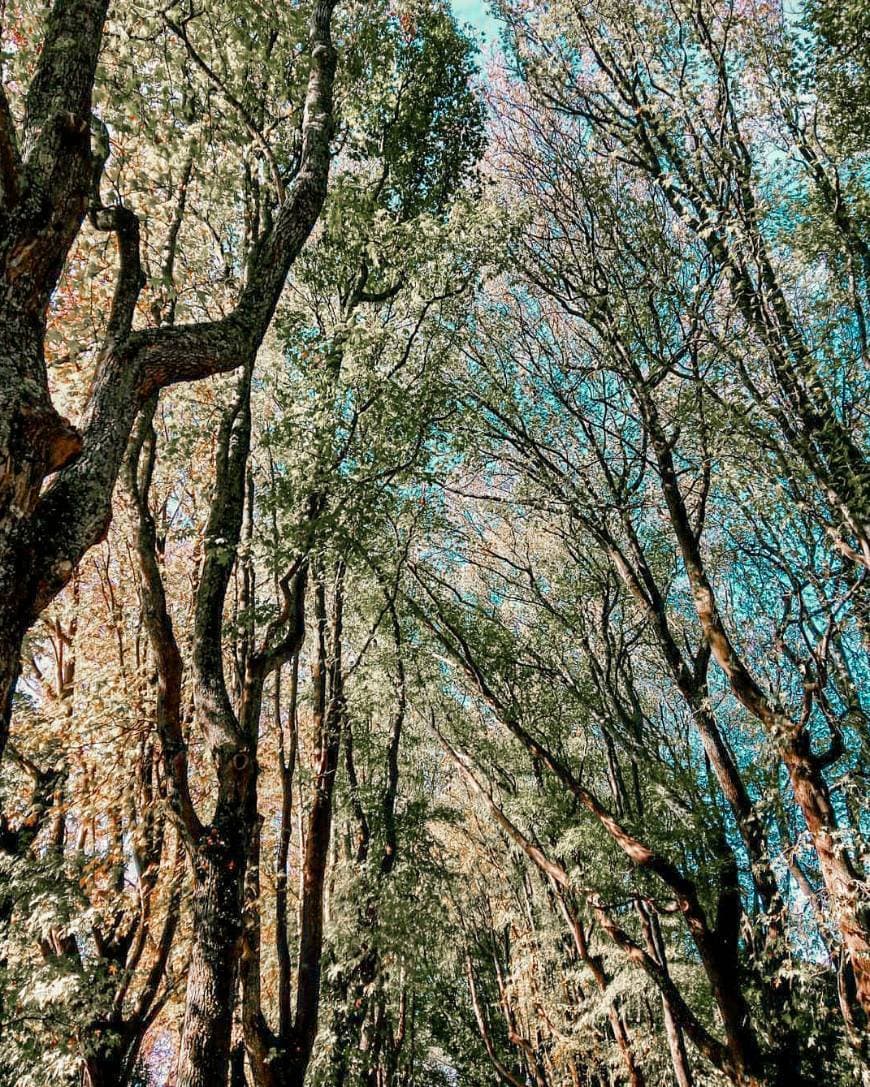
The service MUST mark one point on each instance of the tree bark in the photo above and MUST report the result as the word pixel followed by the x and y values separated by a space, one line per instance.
pixel 842 880
pixel 220 850
pixel 219 866
pixel 46 188
pixel 281 1058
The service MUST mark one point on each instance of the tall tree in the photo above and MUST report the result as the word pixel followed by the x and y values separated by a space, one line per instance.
pixel 53 162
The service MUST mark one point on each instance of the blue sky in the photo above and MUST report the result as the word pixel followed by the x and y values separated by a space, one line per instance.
pixel 477 13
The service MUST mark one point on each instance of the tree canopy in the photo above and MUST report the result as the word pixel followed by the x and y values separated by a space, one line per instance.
pixel 434 544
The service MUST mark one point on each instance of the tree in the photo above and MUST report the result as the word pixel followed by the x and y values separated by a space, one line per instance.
pixel 444 656
pixel 53 162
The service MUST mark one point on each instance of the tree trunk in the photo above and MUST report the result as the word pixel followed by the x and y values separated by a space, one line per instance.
pixel 806 770
pixel 34 441
pixel 282 1060
pixel 219 864
pixel 45 532
pixel 105 1069
pixel 841 878
pixel 673 1031
pixel 596 966
pixel 10 647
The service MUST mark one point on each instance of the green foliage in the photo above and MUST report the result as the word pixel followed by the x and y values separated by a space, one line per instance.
pixel 570 459
pixel 417 130
pixel 840 63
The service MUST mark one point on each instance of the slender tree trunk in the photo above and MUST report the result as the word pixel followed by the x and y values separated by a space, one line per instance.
pixel 282 1059
pixel 620 1033
pixel 314 876
pixel 673 1031
pixel 843 882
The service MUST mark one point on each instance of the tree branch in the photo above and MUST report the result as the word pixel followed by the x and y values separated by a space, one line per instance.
pixel 73 514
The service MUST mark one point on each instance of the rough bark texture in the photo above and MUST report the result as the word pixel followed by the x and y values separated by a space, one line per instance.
pixel 50 180
pixel 217 924
pixel 219 849
pixel 48 185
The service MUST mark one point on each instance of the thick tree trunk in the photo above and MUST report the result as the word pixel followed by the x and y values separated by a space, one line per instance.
pixel 112 1064
pixel 45 191
pixel 10 654
pixel 103 1070
pixel 34 441
pixel 219 863
pixel 44 187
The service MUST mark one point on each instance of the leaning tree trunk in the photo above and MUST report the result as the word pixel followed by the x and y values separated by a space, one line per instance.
pixel 844 884
pixel 49 178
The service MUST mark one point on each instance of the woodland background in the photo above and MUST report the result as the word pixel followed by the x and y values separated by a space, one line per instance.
pixel 434 544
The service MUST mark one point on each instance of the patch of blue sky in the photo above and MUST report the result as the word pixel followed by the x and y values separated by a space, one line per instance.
pixel 478 14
